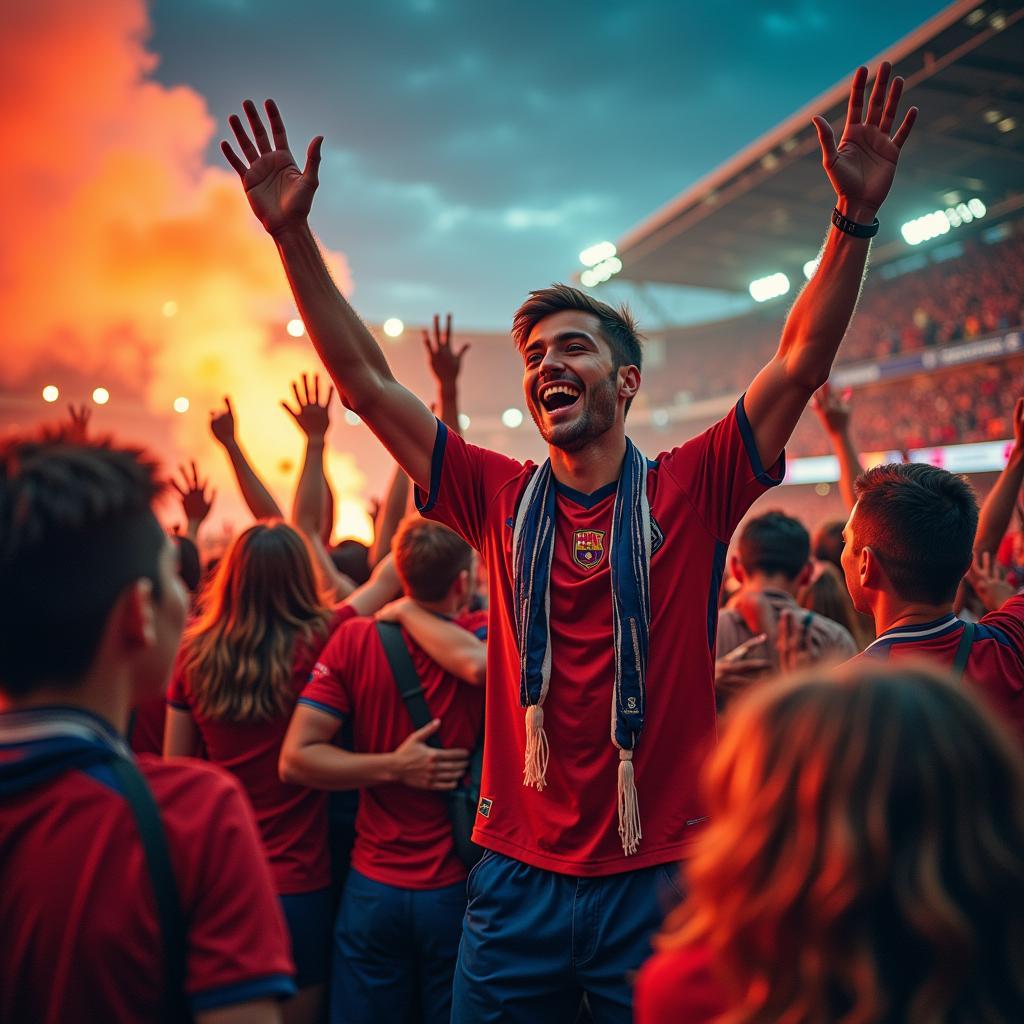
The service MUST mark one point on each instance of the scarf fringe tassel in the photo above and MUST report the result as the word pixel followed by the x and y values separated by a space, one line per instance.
pixel 629 807
pixel 537 751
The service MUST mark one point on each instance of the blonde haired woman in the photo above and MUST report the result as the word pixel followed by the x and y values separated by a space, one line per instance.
pixel 864 863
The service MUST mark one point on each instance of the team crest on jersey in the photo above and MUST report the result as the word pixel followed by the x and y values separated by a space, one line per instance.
pixel 588 548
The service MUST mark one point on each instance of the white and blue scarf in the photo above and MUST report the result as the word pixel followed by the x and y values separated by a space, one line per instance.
pixel 629 560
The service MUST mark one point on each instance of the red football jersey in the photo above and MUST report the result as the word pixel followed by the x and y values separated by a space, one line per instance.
pixel 292 819
pixel 146 729
pixel 403 835
pixel 81 938
pixel 698 493
pixel 678 987
pixel 996 664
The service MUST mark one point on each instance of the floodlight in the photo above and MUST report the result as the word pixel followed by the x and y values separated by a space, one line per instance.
pixel 770 287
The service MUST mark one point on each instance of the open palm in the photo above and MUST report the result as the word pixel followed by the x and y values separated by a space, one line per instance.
pixel 280 194
pixel 863 165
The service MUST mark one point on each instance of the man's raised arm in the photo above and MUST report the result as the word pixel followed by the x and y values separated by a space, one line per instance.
pixel 281 197
pixel 861 169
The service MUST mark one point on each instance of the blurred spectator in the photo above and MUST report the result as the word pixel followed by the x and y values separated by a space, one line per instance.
pixel 834 886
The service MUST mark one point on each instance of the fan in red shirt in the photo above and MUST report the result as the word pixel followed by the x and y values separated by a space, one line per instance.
pixel 897 572
pixel 401 911
pixel 591 756
pixel 85 937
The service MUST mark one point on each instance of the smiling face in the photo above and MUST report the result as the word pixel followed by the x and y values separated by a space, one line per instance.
pixel 573 389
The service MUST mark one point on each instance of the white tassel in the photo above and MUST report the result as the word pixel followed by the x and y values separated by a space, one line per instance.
pixel 629 808
pixel 536 748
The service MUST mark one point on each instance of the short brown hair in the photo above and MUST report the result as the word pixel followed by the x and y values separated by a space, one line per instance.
pixel 921 523
pixel 617 325
pixel 429 558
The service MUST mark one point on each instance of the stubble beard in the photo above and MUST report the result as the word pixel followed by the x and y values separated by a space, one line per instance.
pixel 597 418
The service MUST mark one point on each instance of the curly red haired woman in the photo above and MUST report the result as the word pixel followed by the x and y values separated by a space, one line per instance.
pixel 864 864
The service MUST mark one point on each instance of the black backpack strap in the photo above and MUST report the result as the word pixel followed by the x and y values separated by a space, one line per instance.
pixel 963 650
pixel 406 677
pixel 174 1006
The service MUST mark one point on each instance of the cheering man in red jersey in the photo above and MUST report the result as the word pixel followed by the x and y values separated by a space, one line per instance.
pixel 604 570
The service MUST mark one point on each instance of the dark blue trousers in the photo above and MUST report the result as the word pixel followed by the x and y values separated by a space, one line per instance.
pixel 534 941
pixel 394 953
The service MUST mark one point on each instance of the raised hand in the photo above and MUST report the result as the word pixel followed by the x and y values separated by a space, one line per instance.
pixel 1018 427
pixel 863 165
pixel 312 417
pixel 279 193
pixel 194 500
pixel 222 424
pixel 445 361
pixel 79 416
pixel 833 408
pixel 988 578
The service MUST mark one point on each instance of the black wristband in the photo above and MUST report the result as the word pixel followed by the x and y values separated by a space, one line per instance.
pixel 851 227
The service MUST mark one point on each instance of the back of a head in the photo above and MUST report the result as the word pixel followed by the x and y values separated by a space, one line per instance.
pixel 866 857
pixel 263 598
pixel 76 528
pixel 774 544
pixel 429 558
pixel 827 544
pixel 352 557
pixel 920 521
pixel 826 595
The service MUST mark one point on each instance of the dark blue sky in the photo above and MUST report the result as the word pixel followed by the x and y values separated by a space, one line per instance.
pixel 474 147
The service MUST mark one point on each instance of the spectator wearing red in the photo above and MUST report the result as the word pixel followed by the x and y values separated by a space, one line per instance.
pixel 909 542
pixel 865 861
pixel 112 908
pixel 401 913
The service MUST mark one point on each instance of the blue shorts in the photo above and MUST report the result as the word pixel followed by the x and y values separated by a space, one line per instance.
pixel 308 915
pixel 534 942
pixel 394 953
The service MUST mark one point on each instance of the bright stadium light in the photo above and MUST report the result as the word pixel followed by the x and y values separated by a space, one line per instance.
pixel 393 327
pixel 464 421
pixel 512 418
pixel 594 254
pixel 181 404
pixel 601 272
pixel 296 328
pixel 939 222
pixel 51 393
pixel 770 287
pixel 170 308
pixel 101 396
pixel 810 267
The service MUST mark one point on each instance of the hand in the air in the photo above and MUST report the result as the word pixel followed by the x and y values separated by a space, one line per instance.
pixel 279 193
pixel 79 416
pixel 863 165
pixel 988 578
pixel 445 361
pixel 312 417
pixel 194 500
pixel 833 408
pixel 222 424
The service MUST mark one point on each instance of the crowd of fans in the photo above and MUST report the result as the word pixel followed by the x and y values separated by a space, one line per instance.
pixel 976 294
pixel 180 737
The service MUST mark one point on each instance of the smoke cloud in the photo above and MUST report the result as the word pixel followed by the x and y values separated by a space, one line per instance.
pixel 127 260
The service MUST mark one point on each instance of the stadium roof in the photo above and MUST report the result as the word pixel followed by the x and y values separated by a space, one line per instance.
pixel 765 210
